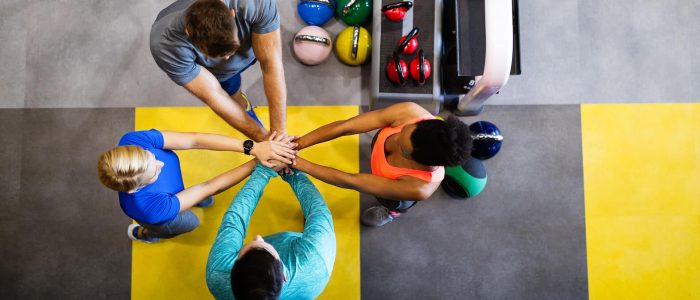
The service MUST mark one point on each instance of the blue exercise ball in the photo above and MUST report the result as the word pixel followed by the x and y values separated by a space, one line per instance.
pixel 316 12
pixel 465 181
pixel 486 139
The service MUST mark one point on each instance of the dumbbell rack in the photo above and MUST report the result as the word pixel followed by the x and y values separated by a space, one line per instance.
pixel 425 15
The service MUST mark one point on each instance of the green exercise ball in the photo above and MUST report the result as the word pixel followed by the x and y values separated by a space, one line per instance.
pixel 465 181
pixel 353 12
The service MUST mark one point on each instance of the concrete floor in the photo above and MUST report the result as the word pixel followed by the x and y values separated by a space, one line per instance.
pixel 72 71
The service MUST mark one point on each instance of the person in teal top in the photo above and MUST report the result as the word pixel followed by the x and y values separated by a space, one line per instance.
pixel 285 265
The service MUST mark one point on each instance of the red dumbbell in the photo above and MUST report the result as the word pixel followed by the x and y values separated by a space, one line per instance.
pixel 420 68
pixel 397 70
pixel 409 43
pixel 396 11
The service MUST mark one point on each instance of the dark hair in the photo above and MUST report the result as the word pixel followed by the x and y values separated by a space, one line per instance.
pixel 441 143
pixel 212 28
pixel 257 275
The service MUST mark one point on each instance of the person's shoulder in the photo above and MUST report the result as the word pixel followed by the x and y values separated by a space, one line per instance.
pixel 255 7
pixel 404 112
pixel 143 138
pixel 168 29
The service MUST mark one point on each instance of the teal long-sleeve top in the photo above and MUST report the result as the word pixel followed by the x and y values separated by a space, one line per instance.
pixel 307 257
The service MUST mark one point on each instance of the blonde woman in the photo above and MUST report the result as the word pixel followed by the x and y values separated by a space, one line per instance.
pixel 146 173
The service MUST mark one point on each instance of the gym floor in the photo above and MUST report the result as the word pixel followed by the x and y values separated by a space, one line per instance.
pixel 594 194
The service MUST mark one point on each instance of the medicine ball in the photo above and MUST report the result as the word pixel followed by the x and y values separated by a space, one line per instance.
pixel 316 12
pixel 353 12
pixel 486 139
pixel 353 45
pixel 312 45
pixel 465 181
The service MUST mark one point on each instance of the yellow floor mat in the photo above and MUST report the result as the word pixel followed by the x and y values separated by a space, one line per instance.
pixel 642 195
pixel 174 269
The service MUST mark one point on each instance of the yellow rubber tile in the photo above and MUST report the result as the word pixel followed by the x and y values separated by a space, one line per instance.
pixel 174 269
pixel 641 167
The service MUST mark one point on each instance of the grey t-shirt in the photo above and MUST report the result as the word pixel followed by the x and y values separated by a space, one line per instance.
pixel 175 53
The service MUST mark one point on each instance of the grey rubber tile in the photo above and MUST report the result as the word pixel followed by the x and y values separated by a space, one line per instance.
pixel 695 54
pixel 549 43
pixel 92 54
pixel 10 156
pixel 636 51
pixel 12 53
pixel 70 230
pixel 523 237
pixel 107 63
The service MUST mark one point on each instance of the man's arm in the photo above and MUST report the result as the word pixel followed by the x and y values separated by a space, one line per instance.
pixel 195 194
pixel 268 50
pixel 318 221
pixel 207 88
pixel 390 116
pixel 403 188
pixel 234 225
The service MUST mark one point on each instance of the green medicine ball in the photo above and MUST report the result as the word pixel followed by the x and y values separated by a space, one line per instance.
pixel 353 12
pixel 465 181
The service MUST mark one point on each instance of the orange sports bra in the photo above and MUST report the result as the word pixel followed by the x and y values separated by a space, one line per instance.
pixel 381 167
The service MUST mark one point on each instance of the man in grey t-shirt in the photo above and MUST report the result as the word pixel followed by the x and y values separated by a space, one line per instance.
pixel 224 37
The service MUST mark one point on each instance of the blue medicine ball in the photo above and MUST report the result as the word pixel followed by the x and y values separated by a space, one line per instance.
pixel 486 139
pixel 465 181
pixel 316 12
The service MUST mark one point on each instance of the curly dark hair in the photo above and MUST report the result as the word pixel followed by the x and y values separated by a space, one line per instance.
pixel 257 276
pixel 212 28
pixel 441 143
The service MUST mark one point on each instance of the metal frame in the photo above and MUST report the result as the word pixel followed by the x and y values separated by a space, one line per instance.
pixel 431 102
pixel 499 55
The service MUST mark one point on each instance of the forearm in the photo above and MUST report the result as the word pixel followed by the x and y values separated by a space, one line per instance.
pixel 248 196
pixel 276 93
pixel 194 194
pixel 398 189
pixel 268 50
pixel 235 116
pixel 318 221
pixel 308 195
pixel 207 89
pixel 234 224
pixel 323 134
pixel 216 142
pixel 326 174
pixel 226 180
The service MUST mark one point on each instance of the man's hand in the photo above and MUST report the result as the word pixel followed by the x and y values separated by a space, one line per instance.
pixel 277 148
pixel 284 143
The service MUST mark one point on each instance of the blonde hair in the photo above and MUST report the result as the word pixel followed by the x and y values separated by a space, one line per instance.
pixel 120 168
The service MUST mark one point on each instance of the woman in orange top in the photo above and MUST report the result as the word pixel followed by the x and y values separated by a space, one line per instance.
pixel 408 156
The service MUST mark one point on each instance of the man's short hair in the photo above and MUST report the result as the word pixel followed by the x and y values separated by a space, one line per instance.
pixel 441 143
pixel 212 28
pixel 257 275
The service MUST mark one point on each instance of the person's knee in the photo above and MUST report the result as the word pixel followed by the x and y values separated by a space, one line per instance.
pixel 193 223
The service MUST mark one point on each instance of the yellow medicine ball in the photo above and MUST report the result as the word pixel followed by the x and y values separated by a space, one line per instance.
pixel 354 45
